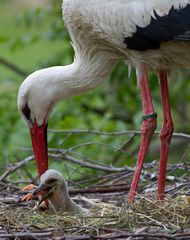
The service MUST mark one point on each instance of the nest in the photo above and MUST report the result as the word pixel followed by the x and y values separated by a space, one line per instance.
pixel 107 186
pixel 145 219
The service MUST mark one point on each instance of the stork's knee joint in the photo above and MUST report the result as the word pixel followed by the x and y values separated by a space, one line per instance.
pixel 167 132
pixel 149 124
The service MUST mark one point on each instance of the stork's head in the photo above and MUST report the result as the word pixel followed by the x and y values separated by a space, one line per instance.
pixel 36 98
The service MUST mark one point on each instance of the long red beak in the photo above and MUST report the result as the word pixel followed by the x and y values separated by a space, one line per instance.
pixel 39 143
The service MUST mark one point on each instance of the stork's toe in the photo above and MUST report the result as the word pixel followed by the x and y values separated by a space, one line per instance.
pixel 29 195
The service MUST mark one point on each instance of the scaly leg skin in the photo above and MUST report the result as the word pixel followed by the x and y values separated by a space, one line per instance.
pixel 165 134
pixel 148 127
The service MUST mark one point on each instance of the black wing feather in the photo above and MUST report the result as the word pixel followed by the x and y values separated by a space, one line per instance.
pixel 173 27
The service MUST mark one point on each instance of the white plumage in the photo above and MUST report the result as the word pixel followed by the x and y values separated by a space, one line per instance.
pixel 97 30
pixel 104 24
pixel 151 35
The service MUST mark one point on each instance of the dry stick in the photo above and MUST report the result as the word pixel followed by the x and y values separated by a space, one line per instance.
pixel 175 134
pixel 13 67
pixel 152 220
pixel 101 180
pixel 177 187
pixel 94 143
pixel 15 167
pixel 138 231
pixel 66 157
pixel 87 228
pixel 110 189
pixel 94 132
pixel 181 166
pixel 25 235
pixel 62 154
pixel 71 149
pixel 126 235
pixel 91 165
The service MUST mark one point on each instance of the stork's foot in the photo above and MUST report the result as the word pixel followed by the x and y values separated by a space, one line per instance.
pixel 28 196
pixel 29 187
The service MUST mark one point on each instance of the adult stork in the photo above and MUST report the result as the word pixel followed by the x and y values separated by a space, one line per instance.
pixel 150 35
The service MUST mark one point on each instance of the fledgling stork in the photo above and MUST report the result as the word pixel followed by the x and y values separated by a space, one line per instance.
pixel 150 35
pixel 54 188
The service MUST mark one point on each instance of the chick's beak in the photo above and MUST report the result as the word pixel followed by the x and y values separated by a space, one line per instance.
pixel 44 190
pixel 39 143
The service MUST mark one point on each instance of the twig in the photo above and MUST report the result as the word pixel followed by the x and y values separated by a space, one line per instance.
pixel 94 132
pixel 15 167
pixel 126 235
pixel 94 143
pixel 152 220
pixel 29 235
pixel 105 229
pixel 108 189
pixel 91 165
pixel 137 132
pixel 138 231
pixel 13 67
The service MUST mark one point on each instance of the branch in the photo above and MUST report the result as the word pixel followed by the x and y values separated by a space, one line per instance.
pixel 97 132
pixel 15 167
pixel 90 165
pixel 20 235
pixel 109 189
pixel 125 235
pixel 13 67
pixel 94 143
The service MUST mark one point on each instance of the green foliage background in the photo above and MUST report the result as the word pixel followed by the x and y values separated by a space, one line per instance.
pixel 34 37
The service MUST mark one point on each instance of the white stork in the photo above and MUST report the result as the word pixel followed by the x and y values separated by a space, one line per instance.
pixel 150 35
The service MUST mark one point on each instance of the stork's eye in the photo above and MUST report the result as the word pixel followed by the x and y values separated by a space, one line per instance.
pixel 26 111
pixel 51 181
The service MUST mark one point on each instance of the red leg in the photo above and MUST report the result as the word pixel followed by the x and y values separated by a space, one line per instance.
pixel 165 134
pixel 148 127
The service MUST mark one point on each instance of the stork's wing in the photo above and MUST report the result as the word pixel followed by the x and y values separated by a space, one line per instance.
pixel 184 36
pixel 171 27
pixel 135 24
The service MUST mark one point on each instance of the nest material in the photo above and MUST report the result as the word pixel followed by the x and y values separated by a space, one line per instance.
pixel 145 216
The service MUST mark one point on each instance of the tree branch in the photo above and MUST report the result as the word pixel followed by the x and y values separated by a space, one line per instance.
pixel 15 167
pixel 97 132
pixel 13 67
pixel 90 165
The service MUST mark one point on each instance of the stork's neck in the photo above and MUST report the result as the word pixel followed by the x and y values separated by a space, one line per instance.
pixel 86 72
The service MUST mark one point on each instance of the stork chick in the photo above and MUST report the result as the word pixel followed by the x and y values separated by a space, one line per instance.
pixel 54 187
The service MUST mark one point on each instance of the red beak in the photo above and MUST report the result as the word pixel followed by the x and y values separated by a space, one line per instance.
pixel 39 143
